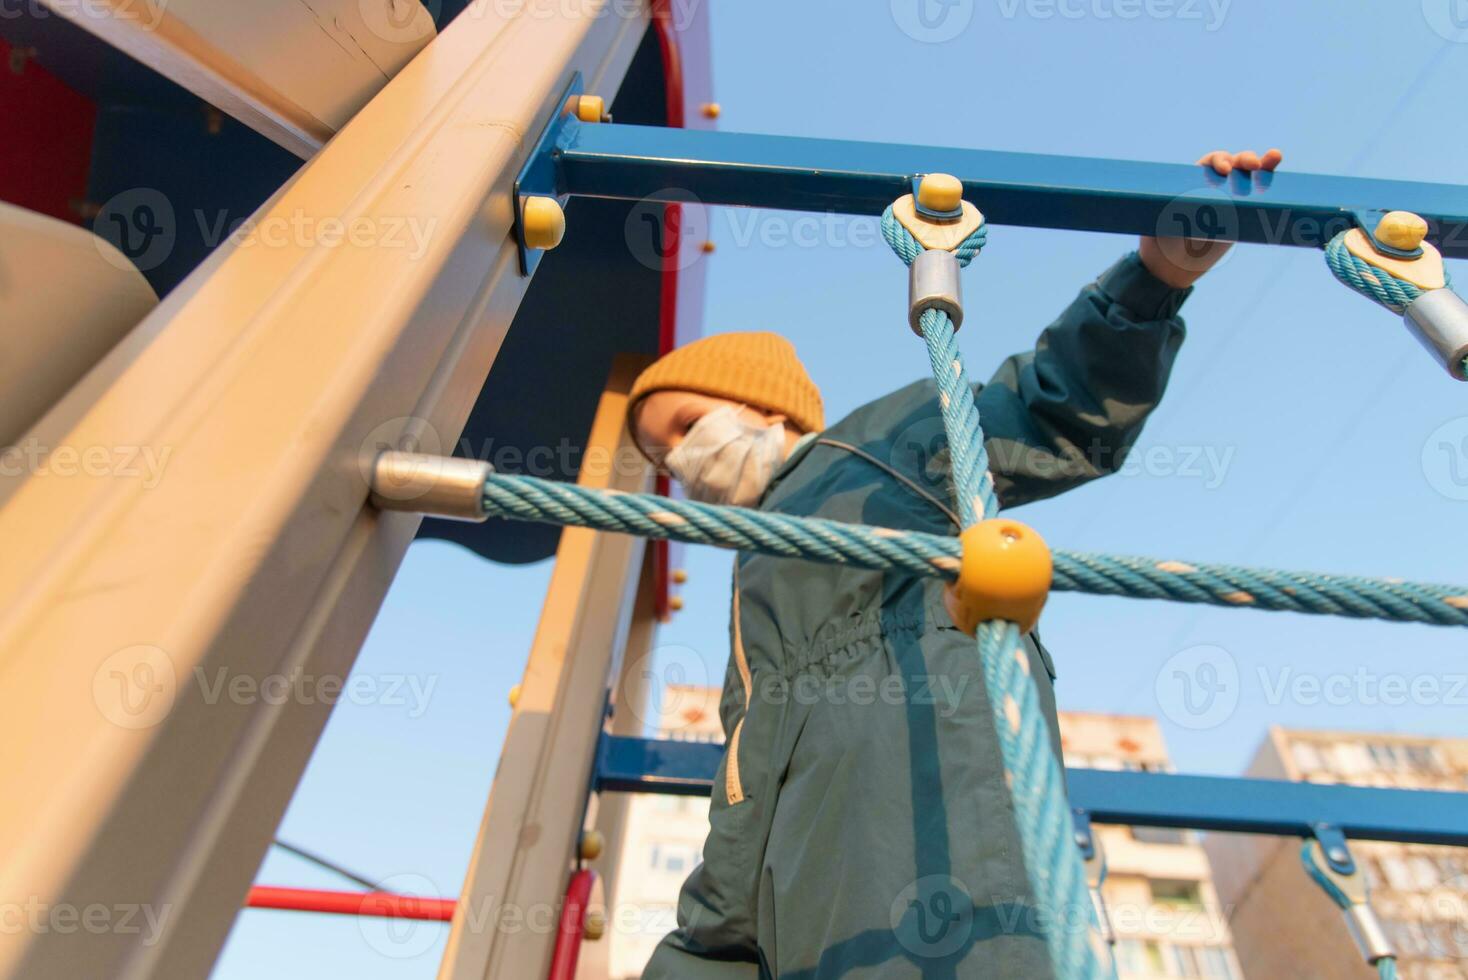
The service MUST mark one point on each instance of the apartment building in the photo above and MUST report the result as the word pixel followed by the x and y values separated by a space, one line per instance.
pixel 1420 892
pixel 1159 893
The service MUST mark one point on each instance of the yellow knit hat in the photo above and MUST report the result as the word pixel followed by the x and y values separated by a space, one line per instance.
pixel 758 369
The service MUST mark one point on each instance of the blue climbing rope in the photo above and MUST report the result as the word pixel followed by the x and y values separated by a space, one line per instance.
pixel 1036 781
pixel 1370 281
pixel 528 498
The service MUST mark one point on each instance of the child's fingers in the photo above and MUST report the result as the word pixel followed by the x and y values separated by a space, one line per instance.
pixel 1221 161
pixel 1271 159
pixel 1247 161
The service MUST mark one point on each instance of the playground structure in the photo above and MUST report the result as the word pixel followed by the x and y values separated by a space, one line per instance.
pixel 258 561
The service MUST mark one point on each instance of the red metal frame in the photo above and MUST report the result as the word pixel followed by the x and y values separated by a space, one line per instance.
pixel 572 928
pixel 46 154
pixel 384 904
pixel 662 23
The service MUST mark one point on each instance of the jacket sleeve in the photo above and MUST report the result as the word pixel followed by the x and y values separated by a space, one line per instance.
pixel 1070 410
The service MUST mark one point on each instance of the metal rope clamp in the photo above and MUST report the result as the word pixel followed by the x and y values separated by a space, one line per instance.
pixel 1395 243
pixel 1329 862
pixel 940 220
pixel 439 486
pixel 1095 862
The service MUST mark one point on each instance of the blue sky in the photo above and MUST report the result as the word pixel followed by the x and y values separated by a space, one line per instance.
pixel 1303 427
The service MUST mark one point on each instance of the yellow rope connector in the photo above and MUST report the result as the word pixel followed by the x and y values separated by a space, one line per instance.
pixel 1005 573
pixel 1401 229
pixel 940 192
pixel 544 222
pixel 590 108
pixel 592 844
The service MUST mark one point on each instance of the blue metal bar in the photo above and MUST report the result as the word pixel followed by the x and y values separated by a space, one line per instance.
pixel 1035 190
pixel 1145 799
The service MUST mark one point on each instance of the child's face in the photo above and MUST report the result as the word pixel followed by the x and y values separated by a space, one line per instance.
pixel 664 418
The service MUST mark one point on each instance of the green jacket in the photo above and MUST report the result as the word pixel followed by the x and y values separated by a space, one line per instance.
pixel 860 825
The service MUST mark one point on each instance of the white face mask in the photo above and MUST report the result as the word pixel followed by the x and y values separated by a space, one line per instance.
pixel 725 460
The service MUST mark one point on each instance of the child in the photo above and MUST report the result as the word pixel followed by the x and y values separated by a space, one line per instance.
pixel 860 824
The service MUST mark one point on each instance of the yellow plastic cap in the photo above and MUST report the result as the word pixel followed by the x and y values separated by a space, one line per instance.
pixel 711 110
pixel 514 695
pixel 545 222
pixel 590 108
pixel 595 926
pixel 680 575
pixel 940 192
pixel 1401 229
pixel 1005 573
pixel 592 845
pixel 675 603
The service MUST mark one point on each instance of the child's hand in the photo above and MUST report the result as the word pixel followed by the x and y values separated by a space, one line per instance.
pixel 1179 262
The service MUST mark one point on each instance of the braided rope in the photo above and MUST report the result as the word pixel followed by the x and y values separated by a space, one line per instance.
pixel 527 498
pixel 1036 782
pixel 1375 284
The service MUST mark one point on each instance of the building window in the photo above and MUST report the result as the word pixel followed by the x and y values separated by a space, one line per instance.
pixel 1306 758
pixel 1130 957
pixel 1159 835
pixel 1175 891
pixel 1396 872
